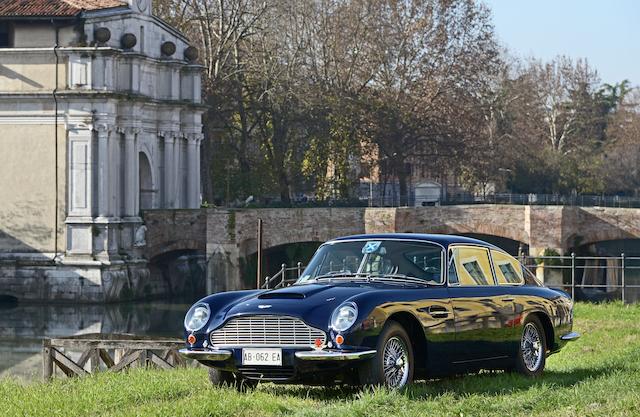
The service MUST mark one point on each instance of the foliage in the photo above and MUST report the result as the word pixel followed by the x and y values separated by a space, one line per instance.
pixel 308 97
pixel 598 375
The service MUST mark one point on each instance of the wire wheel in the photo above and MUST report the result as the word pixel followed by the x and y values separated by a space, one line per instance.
pixel 532 347
pixel 395 363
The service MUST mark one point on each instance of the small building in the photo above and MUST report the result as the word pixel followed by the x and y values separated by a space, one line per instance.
pixel 427 193
pixel 100 117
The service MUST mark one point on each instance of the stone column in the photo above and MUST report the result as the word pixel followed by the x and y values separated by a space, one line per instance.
pixel 198 173
pixel 169 170
pixel 130 172
pixel 192 171
pixel 103 170
pixel 177 173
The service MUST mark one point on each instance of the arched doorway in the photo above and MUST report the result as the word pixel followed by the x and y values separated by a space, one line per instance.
pixel 146 182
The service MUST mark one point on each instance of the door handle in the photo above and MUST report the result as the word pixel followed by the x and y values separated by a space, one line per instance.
pixel 508 299
pixel 437 312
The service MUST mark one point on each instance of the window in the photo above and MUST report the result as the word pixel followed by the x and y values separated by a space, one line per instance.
pixel 508 270
pixel 470 265
pixel 378 257
pixel 6 35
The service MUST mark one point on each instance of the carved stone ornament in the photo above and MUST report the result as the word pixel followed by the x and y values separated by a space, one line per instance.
pixel 140 237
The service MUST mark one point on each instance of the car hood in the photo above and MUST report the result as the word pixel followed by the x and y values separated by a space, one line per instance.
pixel 313 303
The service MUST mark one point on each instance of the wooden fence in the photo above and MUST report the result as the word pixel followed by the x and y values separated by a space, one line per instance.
pixel 108 352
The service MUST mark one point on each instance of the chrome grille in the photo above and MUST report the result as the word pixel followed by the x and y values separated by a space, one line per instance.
pixel 266 331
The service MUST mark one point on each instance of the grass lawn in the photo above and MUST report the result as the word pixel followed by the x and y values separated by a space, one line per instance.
pixel 599 375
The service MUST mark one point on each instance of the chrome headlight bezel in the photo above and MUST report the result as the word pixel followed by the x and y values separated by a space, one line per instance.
pixel 341 322
pixel 202 321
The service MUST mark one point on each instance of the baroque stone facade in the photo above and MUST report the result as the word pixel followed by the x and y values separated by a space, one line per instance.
pixel 100 113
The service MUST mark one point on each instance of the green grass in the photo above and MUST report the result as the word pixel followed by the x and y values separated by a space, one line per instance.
pixel 599 375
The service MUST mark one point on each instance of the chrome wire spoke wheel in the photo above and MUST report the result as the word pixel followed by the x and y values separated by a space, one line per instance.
pixel 531 346
pixel 395 363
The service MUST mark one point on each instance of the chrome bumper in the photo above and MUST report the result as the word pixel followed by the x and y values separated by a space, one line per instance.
pixel 328 355
pixel 206 354
pixel 570 336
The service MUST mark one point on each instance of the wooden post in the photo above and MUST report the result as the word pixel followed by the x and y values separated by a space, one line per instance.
pixel 259 254
pixel 47 362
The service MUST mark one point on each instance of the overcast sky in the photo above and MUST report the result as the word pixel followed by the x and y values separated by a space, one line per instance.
pixel 606 32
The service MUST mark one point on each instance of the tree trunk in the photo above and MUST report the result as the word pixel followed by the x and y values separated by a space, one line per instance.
pixel 403 182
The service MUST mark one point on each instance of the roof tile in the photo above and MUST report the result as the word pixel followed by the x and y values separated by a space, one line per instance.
pixel 53 8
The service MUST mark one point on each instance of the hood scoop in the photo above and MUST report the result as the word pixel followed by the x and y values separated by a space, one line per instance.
pixel 282 295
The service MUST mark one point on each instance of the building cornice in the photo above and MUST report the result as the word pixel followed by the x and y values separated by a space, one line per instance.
pixel 107 95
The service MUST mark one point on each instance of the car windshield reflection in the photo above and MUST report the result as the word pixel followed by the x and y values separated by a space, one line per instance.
pixel 376 260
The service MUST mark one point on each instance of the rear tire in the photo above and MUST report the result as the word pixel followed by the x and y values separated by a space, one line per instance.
pixel 219 378
pixel 532 348
pixel 393 364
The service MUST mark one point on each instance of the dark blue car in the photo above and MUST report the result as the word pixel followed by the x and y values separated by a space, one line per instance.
pixel 384 309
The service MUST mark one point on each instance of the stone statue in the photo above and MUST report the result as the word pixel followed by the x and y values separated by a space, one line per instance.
pixel 140 238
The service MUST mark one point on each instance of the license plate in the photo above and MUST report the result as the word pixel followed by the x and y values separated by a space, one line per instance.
pixel 267 357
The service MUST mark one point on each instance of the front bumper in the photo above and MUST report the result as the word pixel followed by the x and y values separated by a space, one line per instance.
pixel 206 354
pixel 570 336
pixel 333 355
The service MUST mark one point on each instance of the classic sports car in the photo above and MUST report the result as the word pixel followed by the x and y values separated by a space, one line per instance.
pixel 384 309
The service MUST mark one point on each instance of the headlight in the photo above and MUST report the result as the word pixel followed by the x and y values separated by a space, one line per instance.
pixel 197 317
pixel 344 316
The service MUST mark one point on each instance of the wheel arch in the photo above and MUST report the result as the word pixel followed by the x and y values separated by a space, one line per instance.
pixel 547 326
pixel 413 327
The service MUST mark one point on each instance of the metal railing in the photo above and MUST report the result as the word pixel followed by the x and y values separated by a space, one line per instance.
pixel 588 278
pixel 284 277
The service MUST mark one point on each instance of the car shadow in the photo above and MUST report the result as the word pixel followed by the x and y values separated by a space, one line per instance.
pixel 500 383
pixel 485 383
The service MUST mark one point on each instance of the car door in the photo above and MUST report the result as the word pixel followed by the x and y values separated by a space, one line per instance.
pixel 482 310
pixel 509 276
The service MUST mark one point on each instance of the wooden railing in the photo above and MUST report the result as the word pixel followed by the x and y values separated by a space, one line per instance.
pixel 108 352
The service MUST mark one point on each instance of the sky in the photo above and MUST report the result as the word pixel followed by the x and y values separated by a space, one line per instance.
pixel 605 32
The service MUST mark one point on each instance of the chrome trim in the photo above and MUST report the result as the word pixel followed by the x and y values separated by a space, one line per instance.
pixel 332 355
pixel 570 336
pixel 266 331
pixel 206 354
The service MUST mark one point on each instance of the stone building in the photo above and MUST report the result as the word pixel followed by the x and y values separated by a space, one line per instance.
pixel 100 117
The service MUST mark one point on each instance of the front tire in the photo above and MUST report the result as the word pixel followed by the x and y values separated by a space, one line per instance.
pixel 393 364
pixel 219 378
pixel 532 350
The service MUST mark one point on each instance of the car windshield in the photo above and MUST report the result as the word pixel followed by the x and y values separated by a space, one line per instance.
pixel 376 258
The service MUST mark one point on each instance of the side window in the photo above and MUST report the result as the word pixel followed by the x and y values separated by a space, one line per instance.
pixel 472 266
pixel 508 270
pixel 453 275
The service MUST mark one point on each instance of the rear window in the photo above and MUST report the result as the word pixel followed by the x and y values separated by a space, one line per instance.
pixel 508 269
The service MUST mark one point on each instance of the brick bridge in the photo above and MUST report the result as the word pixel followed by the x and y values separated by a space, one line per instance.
pixel 226 237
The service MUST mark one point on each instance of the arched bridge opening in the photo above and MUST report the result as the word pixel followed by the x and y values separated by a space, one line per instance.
pixel 274 257
pixel 511 246
pixel 183 272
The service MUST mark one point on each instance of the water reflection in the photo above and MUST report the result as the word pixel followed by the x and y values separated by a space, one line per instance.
pixel 23 326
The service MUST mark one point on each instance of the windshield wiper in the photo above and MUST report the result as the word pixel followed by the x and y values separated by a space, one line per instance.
pixel 370 277
pixel 400 277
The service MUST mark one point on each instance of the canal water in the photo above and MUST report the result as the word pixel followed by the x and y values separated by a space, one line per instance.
pixel 23 327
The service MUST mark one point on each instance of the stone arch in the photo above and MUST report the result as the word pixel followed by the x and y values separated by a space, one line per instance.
pixel 479 228
pixel 162 248
pixel 589 237
pixel 146 182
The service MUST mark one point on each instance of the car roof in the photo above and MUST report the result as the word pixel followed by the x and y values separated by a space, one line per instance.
pixel 444 240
